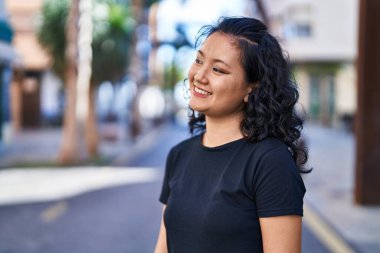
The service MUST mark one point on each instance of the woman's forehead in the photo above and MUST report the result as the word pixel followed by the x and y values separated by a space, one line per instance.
pixel 223 45
pixel 221 38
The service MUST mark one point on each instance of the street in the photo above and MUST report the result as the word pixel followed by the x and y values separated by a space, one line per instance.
pixel 117 219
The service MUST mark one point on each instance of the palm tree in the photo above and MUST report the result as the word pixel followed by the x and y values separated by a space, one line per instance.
pixel 69 149
pixel 112 35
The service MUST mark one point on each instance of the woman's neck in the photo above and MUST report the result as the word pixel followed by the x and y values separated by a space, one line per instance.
pixel 220 131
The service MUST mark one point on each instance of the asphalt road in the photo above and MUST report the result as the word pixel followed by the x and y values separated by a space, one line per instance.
pixel 112 220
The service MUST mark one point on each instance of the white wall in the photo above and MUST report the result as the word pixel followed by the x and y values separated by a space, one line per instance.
pixel 346 90
pixel 333 28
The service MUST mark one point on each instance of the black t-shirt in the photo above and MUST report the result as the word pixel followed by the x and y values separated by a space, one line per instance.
pixel 215 196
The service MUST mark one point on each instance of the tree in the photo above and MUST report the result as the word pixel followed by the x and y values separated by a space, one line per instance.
pixel 69 149
pixel 113 27
pixel 51 33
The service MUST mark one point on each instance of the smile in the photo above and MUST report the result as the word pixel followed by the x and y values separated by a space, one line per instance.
pixel 200 91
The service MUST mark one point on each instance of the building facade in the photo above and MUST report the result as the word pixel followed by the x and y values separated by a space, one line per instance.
pixel 35 91
pixel 7 58
pixel 321 39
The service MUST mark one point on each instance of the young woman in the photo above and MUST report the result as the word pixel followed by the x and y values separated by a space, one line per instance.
pixel 235 186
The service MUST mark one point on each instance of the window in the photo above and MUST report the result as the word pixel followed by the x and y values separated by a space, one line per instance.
pixel 297 22
pixel 297 30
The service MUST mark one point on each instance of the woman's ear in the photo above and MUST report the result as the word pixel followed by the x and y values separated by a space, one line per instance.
pixel 246 98
pixel 248 92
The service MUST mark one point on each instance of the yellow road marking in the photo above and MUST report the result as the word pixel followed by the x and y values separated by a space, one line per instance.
pixel 325 233
pixel 54 211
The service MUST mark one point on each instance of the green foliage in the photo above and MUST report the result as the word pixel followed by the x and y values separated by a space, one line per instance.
pixel 51 32
pixel 172 75
pixel 113 28
pixel 113 33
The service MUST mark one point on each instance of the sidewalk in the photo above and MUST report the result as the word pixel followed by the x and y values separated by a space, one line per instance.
pixel 40 147
pixel 329 194
pixel 31 147
pixel 45 180
pixel 330 188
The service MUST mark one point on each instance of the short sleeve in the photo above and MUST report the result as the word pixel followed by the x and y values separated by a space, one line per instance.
pixel 165 191
pixel 278 187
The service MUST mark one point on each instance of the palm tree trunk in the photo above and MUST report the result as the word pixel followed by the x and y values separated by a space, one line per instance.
pixel 92 137
pixel 68 153
pixel 135 68
pixel 85 91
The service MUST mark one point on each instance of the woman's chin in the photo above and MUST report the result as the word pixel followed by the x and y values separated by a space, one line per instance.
pixel 196 106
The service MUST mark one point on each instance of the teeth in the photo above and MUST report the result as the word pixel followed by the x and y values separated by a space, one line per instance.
pixel 203 92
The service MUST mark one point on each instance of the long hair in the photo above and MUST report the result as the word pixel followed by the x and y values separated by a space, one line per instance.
pixel 270 110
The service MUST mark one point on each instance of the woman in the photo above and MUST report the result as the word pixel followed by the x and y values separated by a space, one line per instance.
pixel 236 187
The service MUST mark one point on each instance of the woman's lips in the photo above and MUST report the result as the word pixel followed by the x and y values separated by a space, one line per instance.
pixel 200 92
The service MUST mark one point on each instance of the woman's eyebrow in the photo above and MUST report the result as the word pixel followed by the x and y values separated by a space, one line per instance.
pixel 216 60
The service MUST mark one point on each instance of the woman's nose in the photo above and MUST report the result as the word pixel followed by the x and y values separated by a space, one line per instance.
pixel 201 76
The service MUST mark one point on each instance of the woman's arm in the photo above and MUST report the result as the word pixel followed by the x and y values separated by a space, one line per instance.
pixel 281 234
pixel 161 246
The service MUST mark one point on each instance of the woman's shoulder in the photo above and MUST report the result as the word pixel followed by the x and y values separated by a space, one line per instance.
pixel 270 146
pixel 186 144
pixel 271 155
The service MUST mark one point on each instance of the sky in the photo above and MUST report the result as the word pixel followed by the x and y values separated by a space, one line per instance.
pixel 193 14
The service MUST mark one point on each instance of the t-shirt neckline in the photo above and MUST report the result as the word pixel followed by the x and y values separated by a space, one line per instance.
pixel 220 147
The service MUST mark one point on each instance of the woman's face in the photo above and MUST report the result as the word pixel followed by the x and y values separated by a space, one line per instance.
pixel 216 78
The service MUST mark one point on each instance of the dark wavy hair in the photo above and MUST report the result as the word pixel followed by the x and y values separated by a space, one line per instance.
pixel 270 111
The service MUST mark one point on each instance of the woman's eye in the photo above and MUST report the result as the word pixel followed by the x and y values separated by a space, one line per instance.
pixel 198 61
pixel 217 70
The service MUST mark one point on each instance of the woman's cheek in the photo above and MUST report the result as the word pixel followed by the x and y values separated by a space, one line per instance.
pixel 192 72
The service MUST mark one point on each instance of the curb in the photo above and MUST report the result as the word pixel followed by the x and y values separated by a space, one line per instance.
pixel 325 232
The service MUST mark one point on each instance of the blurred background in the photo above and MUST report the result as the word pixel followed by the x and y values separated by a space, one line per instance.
pixel 92 99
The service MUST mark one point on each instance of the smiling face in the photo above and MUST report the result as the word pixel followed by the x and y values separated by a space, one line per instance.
pixel 216 78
